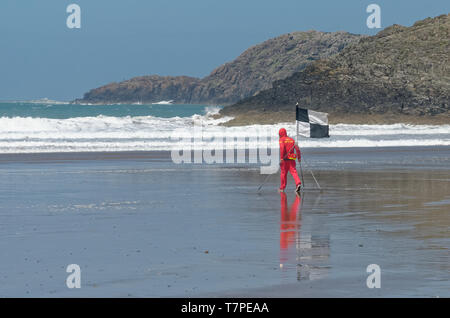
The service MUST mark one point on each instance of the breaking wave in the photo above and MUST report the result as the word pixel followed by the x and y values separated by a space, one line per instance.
pixel 51 126
pixel 107 133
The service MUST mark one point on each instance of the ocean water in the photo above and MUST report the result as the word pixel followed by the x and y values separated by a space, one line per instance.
pixel 51 126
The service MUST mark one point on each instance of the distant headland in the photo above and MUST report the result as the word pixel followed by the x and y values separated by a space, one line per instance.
pixel 399 75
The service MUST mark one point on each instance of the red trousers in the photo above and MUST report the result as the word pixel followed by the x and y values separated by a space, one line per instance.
pixel 288 165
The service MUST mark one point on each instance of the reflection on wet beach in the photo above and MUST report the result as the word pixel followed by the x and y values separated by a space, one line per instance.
pixel 139 225
pixel 306 252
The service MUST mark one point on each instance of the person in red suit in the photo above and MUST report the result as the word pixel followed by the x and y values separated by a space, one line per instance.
pixel 289 152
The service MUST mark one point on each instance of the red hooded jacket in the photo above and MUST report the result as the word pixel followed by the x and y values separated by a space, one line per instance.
pixel 288 146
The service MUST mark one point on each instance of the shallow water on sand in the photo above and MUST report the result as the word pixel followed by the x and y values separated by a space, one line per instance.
pixel 139 225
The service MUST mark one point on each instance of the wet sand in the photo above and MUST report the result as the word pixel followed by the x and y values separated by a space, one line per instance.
pixel 140 226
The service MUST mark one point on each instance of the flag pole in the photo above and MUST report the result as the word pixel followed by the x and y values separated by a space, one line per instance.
pixel 300 161
pixel 301 170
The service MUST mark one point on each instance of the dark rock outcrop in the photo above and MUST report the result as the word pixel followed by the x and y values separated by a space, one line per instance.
pixel 259 66
pixel 152 88
pixel 253 71
pixel 401 70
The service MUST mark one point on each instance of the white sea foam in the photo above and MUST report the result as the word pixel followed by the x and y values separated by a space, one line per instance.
pixel 105 133
pixel 44 101
pixel 164 102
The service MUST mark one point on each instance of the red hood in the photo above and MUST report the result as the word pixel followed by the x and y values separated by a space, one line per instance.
pixel 282 132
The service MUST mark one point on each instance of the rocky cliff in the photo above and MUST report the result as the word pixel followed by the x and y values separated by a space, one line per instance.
pixel 152 88
pixel 259 66
pixel 399 71
pixel 253 71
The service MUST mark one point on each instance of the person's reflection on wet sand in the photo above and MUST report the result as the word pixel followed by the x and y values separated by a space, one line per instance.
pixel 306 252
pixel 289 226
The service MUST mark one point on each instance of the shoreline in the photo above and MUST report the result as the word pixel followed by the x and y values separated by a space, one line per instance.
pixel 164 155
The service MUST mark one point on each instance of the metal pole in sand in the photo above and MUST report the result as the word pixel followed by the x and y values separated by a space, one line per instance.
pixel 265 180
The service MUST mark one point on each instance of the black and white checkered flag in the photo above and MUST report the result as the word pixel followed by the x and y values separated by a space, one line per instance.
pixel 312 124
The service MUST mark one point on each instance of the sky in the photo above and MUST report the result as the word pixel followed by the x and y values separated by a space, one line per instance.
pixel 40 57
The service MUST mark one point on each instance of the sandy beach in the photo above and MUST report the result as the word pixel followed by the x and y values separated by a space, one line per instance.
pixel 139 225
